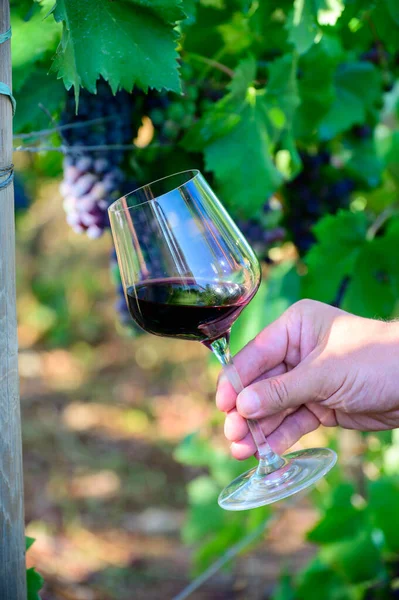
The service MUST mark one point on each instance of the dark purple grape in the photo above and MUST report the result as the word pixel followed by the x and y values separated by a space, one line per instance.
pixel 319 189
pixel 362 131
pixel 92 179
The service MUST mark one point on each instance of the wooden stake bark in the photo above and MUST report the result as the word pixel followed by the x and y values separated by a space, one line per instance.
pixel 12 542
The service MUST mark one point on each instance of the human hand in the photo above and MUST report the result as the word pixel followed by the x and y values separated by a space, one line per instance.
pixel 315 365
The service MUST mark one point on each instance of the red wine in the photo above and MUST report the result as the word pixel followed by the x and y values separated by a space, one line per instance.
pixel 188 309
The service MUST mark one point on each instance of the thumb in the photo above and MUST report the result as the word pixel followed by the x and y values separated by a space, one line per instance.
pixel 305 383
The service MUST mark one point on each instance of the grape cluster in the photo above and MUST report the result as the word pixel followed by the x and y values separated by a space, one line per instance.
pixel 92 178
pixel 264 232
pixel 319 189
pixel 172 114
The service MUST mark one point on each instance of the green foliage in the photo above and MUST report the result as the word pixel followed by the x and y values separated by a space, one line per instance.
pixel 34 581
pixel 339 241
pixel 357 89
pixel 127 43
pixel 211 529
pixel 38 93
pixel 384 495
pixel 359 547
pixel 33 41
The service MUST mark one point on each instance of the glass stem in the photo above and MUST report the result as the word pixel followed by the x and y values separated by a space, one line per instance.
pixel 269 461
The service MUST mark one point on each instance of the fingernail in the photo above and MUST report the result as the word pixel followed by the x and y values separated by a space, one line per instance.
pixel 248 403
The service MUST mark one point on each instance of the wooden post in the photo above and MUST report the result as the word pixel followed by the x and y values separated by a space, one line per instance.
pixel 12 542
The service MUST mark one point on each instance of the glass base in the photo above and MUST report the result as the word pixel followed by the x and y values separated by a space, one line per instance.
pixel 301 470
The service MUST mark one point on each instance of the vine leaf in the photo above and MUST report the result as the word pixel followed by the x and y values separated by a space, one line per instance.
pixel 136 47
pixel 339 240
pixel 319 580
pixel 38 88
pixel 393 10
pixel 302 25
pixel 239 133
pixel 317 67
pixel 374 287
pixel 34 583
pixel 384 497
pixel 242 162
pixel 31 42
pixel 357 90
pixel 356 559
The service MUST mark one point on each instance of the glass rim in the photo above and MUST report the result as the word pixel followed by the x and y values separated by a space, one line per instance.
pixel 113 207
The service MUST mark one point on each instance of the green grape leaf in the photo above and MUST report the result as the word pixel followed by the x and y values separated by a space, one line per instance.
pixel 302 25
pixel 383 505
pixel 221 119
pixel 385 26
pixel 25 9
pixel 242 162
pixel 336 525
pixel 39 95
pixel 387 147
pixel 28 542
pixel 356 559
pixel 34 583
pixel 285 589
pixel 364 162
pixel 317 68
pixel 137 46
pixel 234 136
pixel 358 89
pixel 340 519
pixel 319 580
pixel 373 290
pixel 339 240
pixel 393 10
pixel 236 35
pixel 238 134
pixel 282 100
pixel 243 78
pixel 31 41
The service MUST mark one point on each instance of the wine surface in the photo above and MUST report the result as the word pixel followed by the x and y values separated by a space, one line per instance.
pixel 187 309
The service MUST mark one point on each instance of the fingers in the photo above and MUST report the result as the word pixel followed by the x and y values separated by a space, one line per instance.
pixel 295 426
pixel 303 384
pixel 226 396
pixel 236 427
pixel 265 352
pixel 286 434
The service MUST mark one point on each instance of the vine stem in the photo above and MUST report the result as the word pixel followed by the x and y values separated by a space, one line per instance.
pixel 233 551
pixel 220 562
pixel 77 150
pixel 211 63
pixel 381 220
pixel 56 129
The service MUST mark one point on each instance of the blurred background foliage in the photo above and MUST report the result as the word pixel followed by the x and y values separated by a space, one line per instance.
pixel 291 112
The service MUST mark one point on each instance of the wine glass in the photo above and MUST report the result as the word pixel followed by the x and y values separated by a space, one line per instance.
pixel 187 273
